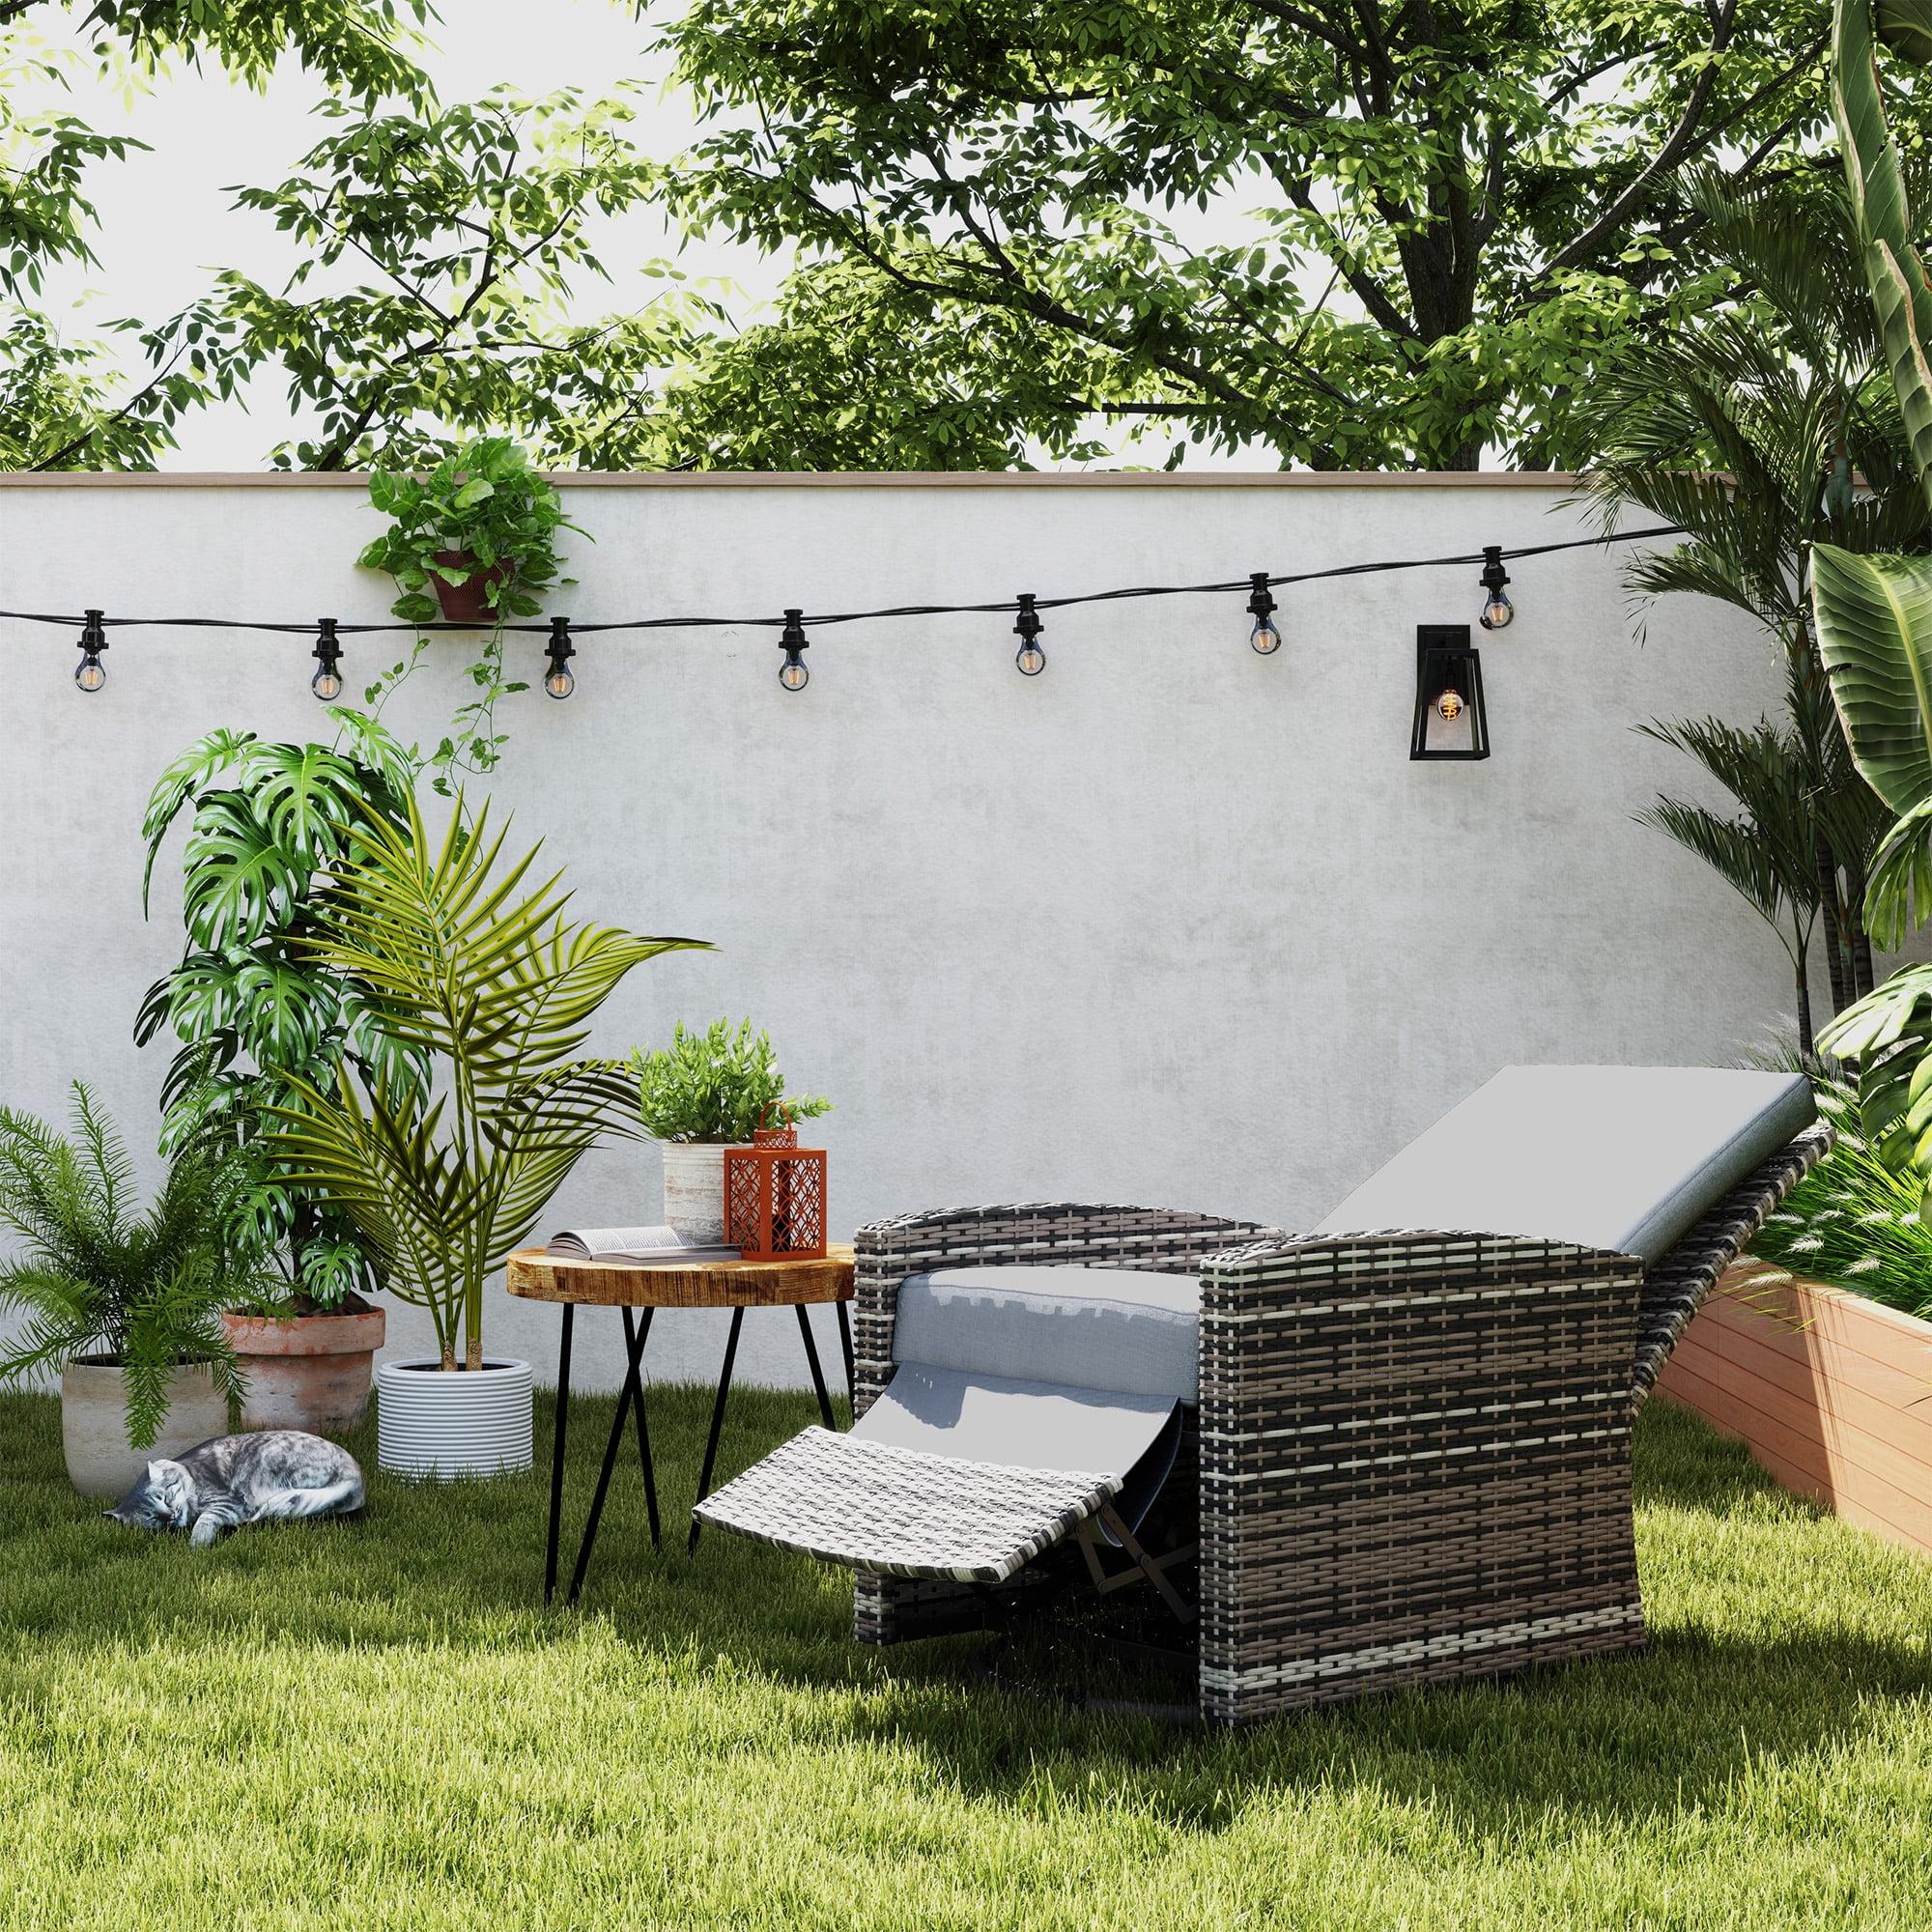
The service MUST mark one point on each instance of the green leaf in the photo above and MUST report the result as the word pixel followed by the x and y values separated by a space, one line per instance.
pixel 1874 623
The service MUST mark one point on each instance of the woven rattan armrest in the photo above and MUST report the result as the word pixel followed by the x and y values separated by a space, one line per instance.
pixel 1029 1233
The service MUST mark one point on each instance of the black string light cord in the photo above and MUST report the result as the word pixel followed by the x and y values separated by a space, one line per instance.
pixel 1011 604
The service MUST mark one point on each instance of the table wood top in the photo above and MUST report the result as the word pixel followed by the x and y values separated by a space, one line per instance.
pixel 537 1276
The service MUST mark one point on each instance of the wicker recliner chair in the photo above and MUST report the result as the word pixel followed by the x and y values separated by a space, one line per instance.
pixel 1410 1454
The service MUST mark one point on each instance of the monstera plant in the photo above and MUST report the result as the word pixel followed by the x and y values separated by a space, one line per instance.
pixel 252 1007
pixel 1874 614
pixel 467 962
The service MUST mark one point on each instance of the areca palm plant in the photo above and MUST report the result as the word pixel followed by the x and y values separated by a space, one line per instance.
pixel 1769 429
pixel 1767 854
pixel 468 963
pixel 249 1005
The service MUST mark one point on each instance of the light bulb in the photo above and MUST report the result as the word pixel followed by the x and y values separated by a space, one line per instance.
pixel 1030 659
pixel 558 682
pixel 326 683
pixel 90 673
pixel 1264 638
pixel 1449 706
pixel 1498 613
pixel 792 673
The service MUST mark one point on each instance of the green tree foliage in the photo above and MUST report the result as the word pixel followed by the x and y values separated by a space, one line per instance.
pixel 997 202
pixel 464 227
pixel 63 404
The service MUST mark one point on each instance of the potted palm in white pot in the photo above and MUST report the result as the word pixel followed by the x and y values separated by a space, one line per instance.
pixel 480 973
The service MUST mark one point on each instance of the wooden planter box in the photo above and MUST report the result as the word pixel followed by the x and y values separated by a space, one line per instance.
pixel 1833 1395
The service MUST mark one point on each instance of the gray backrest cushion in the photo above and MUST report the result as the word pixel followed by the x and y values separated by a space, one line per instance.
pixel 1119 1330
pixel 1621 1158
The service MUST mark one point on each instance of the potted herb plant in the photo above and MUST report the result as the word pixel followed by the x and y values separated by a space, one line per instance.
pixel 476 542
pixel 466 962
pixel 701 1093
pixel 251 1005
pixel 127 1306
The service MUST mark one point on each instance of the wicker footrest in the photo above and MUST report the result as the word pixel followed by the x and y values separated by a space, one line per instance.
pixel 901 1513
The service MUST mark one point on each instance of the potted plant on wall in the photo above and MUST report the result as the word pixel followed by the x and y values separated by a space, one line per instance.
pixel 253 1007
pixel 126 1306
pixel 703 1093
pixel 474 542
pixel 466 964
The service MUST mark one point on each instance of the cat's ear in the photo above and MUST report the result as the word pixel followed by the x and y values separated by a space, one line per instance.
pixel 155 1471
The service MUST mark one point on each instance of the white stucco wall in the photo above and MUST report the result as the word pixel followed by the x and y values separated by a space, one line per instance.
pixel 1172 923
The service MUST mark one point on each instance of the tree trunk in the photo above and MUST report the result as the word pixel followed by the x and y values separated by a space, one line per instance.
pixel 1807 1044
pixel 1836 951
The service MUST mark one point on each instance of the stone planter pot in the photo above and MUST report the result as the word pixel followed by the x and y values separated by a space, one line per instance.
pixel 695 1188
pixel 1829 1391
pixel 441 1423
pixel 310 1371
pixel 101 1460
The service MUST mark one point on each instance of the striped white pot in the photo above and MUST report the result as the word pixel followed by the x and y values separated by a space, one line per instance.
pixel 695 1188
pixel 438 1422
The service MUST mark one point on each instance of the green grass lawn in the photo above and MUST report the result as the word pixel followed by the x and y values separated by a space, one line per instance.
pixel 377 1724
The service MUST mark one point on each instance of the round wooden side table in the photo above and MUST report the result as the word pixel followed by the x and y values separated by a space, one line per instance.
pixel 642 1289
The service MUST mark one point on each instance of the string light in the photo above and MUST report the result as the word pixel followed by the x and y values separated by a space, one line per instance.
pixel 1498 613
pixel 1266 637
pixel 1030 657
pixel 90 673
pixel 792 673
pixel 326 683
pixel 558 683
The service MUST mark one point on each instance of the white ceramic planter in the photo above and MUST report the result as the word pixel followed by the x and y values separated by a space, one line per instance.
pixel 695 1188
pixel 441 1423
pixel 101 1462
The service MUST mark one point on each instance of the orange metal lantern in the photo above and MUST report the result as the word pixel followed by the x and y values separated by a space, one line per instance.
pixel 775 1197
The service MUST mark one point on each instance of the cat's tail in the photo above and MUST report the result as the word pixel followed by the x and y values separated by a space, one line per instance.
pixel 341 1498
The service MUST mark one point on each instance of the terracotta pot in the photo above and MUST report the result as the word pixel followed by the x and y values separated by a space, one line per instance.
pixel 695 1188
pixel 438 1422
pixel 464 603
pixel 101 1460
pixel 310 1371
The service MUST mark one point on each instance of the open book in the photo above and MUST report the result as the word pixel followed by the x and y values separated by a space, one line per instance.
pixel 634 1244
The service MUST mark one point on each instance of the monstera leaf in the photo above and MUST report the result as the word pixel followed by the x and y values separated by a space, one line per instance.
pixel 241 883
pixel 180 782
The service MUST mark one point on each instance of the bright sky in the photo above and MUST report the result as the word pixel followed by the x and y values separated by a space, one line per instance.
pixel 166 220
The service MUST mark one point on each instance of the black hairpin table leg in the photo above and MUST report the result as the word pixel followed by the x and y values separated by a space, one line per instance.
pixel 636 1356
pixel 633 1391
pixel 817 1373
pixel 717 1420
pixel 845 1350
pixel 557 1451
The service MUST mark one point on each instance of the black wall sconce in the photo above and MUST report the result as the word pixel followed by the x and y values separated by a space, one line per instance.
pixel 1450 722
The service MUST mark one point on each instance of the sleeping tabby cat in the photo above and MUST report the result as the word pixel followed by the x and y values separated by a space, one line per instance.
pixel 277 1475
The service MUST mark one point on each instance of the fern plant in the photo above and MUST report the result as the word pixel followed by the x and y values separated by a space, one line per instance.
pixel 717 1085
pixel 95 1277
pixel 476 972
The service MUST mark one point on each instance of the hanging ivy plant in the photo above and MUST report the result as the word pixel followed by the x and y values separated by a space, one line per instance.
pixel 476 540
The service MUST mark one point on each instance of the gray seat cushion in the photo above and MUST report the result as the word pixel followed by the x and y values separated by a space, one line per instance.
pixel 1619 1157
pixel 1123 1330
